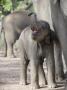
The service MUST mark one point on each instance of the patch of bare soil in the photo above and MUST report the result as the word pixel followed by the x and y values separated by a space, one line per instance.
pixel 10 76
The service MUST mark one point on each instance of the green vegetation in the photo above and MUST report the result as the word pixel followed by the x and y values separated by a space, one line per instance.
pixel 7 6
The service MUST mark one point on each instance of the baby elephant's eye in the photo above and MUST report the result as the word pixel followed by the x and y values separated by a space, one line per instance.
pixel 33 29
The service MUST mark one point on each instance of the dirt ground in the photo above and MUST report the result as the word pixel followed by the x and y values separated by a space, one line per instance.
pixel 19 87
pixel 10 75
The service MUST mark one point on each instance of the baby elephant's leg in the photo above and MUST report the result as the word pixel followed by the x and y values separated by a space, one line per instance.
pixel 51 67
pixel 23 73
pixel 34 73
pixel 42 77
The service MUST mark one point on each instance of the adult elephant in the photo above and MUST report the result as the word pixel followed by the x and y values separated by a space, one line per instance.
pixel 43 10
pixel 59 19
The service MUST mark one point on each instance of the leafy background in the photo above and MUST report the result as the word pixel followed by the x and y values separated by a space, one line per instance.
pixel 8 6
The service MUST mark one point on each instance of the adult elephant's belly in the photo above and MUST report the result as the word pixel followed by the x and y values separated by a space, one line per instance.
pixel 63 4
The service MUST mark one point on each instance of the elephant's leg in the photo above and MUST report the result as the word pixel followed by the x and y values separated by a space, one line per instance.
pixel 42 77
pixel 60 24
pixel 34 74
pixel 10 39
pixel 58 61
pixel 23 76
pixel 24 62
pixel 10 50
pixel 51 67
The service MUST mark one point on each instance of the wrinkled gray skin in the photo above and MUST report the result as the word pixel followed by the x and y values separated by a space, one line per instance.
pixel 13 24
pixel 59 72
pixel 59 19
pixel 36 43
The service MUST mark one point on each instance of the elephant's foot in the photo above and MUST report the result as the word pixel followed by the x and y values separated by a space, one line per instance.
pixel 43 83
pixel 23 83
pixel 52 85
pixel 10 55
pixel 34 86
pixel 60 78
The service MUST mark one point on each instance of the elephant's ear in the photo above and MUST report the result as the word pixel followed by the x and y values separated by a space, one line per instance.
pixel 54 1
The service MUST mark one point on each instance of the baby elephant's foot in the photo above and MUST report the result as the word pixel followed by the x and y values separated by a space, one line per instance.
pixel 34 86
pixel 52 85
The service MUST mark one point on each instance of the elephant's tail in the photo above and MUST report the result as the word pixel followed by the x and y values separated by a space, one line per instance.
pixel 2 33
pixel 2 39
pixel 1 24
pixel 1 29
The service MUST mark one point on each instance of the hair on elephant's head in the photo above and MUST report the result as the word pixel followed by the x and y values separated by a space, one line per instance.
pixel 40 30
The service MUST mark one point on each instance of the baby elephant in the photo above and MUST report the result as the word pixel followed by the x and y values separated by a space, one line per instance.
pixel 34 44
